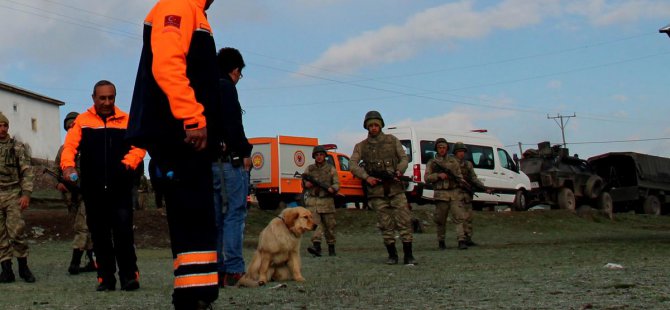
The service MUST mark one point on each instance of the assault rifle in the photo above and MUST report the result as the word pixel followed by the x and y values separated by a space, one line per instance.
pixel 316 182
pixel 465 186
pixel 71 187
pixel 388 177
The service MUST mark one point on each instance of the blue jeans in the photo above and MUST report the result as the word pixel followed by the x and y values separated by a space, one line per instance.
pixel 231 214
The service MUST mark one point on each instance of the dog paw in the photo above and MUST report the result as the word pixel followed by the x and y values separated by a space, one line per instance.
pixel 261 283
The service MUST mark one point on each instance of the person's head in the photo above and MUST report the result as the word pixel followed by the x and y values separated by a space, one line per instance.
pixel 4 126
pixel 441 147
pixel 319 154
pixel 373 122
pixel 68 122
pixel 459 150
pixel 231 63
pixel 208 3
pixel 104 96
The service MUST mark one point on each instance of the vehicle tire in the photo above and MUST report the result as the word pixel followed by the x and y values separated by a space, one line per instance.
pixel 652 205
pixel 566 199
pixel 520 203
pixel 267 202
pixel 593 188
pixel 606 204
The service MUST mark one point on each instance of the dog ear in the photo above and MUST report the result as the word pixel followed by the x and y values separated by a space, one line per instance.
pixel 290 216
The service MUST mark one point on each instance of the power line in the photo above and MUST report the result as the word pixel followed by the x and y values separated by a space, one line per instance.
pixel 600 142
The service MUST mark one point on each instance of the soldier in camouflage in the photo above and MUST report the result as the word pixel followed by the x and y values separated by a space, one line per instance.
pixel 82 238
pixel 447 193
pixel 16 185
pixel 320 200
pixel 383 162
pixel 469 175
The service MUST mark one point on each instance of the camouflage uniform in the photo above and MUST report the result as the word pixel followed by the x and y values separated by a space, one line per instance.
pixel 16 180
pixel 448 196
pixel 82 237
pixel 469 175
pixel 384 154
pixel 321 202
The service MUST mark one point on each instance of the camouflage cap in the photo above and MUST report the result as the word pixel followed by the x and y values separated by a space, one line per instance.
pixel 4 119
pixel 459 146
pixel 70 117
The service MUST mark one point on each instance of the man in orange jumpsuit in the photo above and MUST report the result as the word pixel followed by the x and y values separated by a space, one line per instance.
pixel 176 115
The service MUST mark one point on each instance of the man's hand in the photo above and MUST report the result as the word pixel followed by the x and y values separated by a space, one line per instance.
pixel 24 201
pixel 442 176
pixel 308 184
pixel 247 163
pixel 197 138
pixel 62 188
pixel 68 173
pixel 372 181
pixel 331 190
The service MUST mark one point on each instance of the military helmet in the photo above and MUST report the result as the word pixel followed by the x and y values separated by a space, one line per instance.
pixel 458 146
pixel 372 115
pixel 318 149
pixel 441 140
pixel 69 118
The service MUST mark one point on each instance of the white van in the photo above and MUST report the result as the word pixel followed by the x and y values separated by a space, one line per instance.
pixel 493 165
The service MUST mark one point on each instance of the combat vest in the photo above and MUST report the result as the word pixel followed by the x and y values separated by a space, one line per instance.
pixel 444 189
pixel 13 162
pixel 380 159
pixel 323 174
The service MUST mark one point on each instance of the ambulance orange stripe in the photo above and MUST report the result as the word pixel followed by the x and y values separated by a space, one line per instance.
pixel 196 280
pixel 194 258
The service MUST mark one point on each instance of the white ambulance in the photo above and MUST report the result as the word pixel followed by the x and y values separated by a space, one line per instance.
pixel 493 165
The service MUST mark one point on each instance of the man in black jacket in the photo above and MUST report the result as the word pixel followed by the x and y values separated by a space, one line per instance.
pixel 230 170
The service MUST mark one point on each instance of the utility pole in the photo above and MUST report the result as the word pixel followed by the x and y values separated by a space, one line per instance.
pixel 562 124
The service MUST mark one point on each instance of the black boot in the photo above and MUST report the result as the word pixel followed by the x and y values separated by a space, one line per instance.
pixel 462 245
pixel 75 262
pixel 393 254
pixel 24 271
pixel 7 274
pixel 130 282
pixel 441 245
pixel 407 251
pixel 315 249
pixel 469 241
pixel 331 250
pixel 90 266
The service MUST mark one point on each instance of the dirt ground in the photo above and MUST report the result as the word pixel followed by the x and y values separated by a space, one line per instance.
pixel 151 229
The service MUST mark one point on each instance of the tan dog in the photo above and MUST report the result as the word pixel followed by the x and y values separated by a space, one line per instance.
pixel 277 256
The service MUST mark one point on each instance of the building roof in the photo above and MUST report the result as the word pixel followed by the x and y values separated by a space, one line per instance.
pixel 30 94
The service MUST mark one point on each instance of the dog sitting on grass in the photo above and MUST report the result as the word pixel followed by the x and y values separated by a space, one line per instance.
pixel 277 257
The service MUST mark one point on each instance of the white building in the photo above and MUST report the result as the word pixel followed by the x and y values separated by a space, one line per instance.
pixel 34 119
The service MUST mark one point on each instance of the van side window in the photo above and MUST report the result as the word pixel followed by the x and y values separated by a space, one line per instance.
pixel 427 151
pixel 344 162
pixel 329 160
pixel 506 161
pixel 407 146
pixel 481 156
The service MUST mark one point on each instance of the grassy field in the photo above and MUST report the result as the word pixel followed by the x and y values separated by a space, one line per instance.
pixel 526 260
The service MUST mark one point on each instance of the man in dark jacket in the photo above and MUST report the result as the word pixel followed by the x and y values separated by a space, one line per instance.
pixel 230 171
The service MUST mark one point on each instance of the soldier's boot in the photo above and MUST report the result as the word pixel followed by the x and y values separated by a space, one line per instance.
pixel 331 250
pixel 91 265
pixel 462 245
pixel 393 254
pixel 24 271
pixel 75 262
pixel 315 249
pixel 469 242
pixel 407 251
pixel 7 274
pixel 441 245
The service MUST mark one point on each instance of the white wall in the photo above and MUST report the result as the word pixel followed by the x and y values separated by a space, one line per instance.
pixel 45 141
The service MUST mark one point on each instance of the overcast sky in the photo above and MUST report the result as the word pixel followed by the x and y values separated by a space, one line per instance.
pixel 315 67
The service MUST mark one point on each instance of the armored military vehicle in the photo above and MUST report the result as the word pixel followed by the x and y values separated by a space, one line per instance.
pixel 563 181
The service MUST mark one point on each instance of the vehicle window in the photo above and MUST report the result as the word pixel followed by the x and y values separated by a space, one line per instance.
pixel 330 160
pixel 407 146
pixel 506 161
pixel 344 162
pixel 427 151
pixel 481 156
